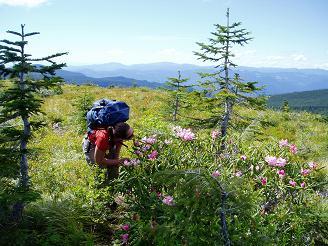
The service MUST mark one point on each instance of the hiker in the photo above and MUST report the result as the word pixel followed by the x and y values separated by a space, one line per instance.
pixel 106 132
pixel 105 145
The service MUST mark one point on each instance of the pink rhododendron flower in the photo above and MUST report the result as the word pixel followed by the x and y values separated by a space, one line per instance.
pixel 312 165
pixel 292 183
pixel 293 148
pixel 283 143
pixel 303 184
pixel 168 200
pixel 215 134
pixel 271 160
pixel 132 162
pixel 125 238
pixel 184 134
pixel 305 172
pixel 243 157
pixel 281 162
pixel 264 180
pixel 215 174
pixel 238 173
pixel 281 173
pixel 125 227
pixel 149 140
pixel 153 155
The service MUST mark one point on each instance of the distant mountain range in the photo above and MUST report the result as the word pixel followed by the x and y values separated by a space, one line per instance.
pixel 314 101
pixel 275 80
pixel 80 78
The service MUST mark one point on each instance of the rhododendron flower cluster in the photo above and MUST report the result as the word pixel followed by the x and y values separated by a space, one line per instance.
pixel 292 183
pixel 281 173
pixel 215 134
pixel 284 143
pixel 274 161
pixel 184 134
pixel 168 200
pixel 305 172
pixel 215 174
pixel 132 162
pixel 153 155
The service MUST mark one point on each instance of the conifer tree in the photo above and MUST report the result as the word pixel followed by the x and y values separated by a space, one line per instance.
pixel 222 84
pixel 177 89
pixel 20 99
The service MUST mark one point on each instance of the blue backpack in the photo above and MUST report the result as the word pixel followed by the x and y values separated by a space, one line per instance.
pixel 105 113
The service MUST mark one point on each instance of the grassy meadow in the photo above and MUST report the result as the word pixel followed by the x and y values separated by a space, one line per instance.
pixel 176 198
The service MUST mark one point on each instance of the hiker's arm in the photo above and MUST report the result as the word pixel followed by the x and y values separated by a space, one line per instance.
pixel 103 161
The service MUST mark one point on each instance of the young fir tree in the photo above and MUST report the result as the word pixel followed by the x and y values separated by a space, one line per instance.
pixel 20 99
pixel 223 86
pixel 177 90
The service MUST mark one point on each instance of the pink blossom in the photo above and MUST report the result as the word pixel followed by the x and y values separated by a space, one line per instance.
pixel 153 155
pixel 136 143
pixel 264 180
pixel 305 172
pixel 303 184
pixel 125 238
pixel 243 157
pixel 184 134
pixel 149 140
pixel 215 174
pixel 293 148
pixel 168 200
pixel 312 165
pixel 238 173
pixel 292 183
pixel 215 134
pixel 281 173
pixel 138 152
pixel 281 162
pixel 125 227
pixel 159 194
pixel 271 160
pixel 283 143
pixel 132 162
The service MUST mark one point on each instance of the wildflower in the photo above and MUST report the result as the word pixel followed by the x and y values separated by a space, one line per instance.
pixel 292 183
pixel 125 227
pixel 215 134
pixel 126 163
pixel 125 238
pixel 238 173
pixel 168 200
pixel 243 157
pixel 138 152
pixel 264 180
pixel 153 155
pixel 149 140
pixel 281 162
pixel 215 174
pixel 257 168
pixel 281 173
pixel 136 143
pixel 283 143
pixel 159 194
pixel 271 160
pixel 312 165
pixel 305 172
pixel 293 148
pixel 167 141
pixel 303 184
pixel 184 134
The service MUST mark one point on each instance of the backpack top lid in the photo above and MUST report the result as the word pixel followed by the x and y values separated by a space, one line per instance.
pixel 105 113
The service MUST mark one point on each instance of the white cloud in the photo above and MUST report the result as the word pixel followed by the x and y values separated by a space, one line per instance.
pixel 299 57
pixel 27 3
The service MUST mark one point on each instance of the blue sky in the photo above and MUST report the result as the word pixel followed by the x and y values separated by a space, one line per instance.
pixel 287 33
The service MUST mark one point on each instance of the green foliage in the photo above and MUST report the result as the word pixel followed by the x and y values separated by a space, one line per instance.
pixel 83 105
pixel 20 98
